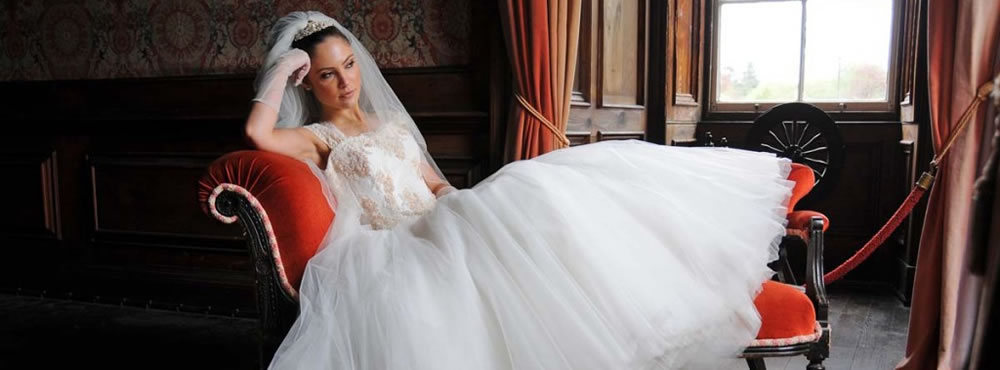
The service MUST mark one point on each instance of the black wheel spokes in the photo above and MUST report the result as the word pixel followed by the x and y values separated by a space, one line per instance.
pixel 776 150
pixel 818 134
pixel 818 161
pixel 810 151
pixel 802 135
pixel 814 152
pixel 775 136
pixel 785 128
pixel 817 158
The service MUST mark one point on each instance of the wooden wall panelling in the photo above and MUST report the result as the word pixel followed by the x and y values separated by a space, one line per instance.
pixel 687 46
pixel 32 208
pixel 622 53
pixel 579 138
pixel 907 235
pixel 684 62
pixel 620 135
pixel 908 55
pixel 612 67
pixel 30 226
pixel 148 241
pixel 583 85
pixel 128 199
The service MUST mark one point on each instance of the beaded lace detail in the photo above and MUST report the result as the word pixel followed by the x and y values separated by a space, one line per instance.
pixel 381 168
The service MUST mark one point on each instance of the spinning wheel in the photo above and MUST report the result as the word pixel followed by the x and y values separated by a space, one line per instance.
pixel 805 134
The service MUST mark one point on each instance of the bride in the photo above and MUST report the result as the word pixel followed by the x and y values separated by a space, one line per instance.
pixel 615 255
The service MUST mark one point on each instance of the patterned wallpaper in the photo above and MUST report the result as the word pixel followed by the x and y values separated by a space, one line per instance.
pixel 95 39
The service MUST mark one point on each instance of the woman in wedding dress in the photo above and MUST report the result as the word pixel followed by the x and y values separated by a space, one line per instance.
pixel 615 255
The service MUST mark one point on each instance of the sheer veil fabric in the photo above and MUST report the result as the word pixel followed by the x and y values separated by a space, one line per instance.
pixel 615 255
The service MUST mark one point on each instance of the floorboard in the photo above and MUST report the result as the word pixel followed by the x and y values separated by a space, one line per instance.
pixel 869 333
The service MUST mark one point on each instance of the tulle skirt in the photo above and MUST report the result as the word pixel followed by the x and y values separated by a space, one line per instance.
pixel 616 255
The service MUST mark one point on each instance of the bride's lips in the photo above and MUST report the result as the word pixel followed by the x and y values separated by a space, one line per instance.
pixel 348 94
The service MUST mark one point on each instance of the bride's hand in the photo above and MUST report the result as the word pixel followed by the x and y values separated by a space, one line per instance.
pixel 444 190
pixel 296 63
pixel 292 65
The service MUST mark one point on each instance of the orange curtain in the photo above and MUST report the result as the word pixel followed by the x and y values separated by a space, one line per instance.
pixel 962 44
pixel 542 38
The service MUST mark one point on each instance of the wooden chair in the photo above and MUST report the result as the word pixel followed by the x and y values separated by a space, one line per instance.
pixel 795 320
pixel 810 138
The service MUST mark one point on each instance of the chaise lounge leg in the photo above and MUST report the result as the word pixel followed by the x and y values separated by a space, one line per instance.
pixel 816 365
pixel 756 364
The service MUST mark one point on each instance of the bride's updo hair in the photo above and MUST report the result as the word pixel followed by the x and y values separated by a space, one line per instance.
pixel 308 43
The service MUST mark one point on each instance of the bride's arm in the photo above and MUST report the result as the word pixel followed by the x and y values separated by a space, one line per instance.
pixel 294 142
pixel 435 183
pixel 260 125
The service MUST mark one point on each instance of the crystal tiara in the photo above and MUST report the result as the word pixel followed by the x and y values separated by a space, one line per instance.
pixel 311 28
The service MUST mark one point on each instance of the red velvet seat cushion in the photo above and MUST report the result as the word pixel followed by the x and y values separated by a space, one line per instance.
pixel 288 192
pixel 785 312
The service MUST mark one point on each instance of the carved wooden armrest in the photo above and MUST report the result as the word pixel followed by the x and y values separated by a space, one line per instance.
pixel 284 212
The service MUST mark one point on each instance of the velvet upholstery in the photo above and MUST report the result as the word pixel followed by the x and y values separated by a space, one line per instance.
pixel 289 192
pixel 804 180
pixel 785 311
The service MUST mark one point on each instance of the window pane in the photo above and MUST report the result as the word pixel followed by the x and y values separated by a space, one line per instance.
pixel 759 52
pixel 847 50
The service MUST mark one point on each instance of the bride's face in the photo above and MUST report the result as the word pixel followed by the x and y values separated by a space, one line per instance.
pixel 334 77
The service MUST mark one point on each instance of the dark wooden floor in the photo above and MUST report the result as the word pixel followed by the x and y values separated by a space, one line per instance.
pixel 58 334
pixel 869 333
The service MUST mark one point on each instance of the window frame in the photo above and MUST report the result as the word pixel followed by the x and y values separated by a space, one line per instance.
pixel 855 111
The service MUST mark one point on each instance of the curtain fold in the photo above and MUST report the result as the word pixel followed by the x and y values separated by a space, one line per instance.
pixel 962 39
pixel 542 41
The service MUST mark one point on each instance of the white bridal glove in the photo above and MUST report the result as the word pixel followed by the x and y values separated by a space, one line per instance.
pixel 292 64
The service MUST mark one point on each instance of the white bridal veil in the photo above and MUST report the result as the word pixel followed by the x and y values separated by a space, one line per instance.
pixel 377 99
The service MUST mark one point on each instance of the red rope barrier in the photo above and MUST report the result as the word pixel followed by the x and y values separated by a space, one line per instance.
pixel 862 254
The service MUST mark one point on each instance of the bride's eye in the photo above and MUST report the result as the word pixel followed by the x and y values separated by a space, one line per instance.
pixel 350 64
pixel 325 75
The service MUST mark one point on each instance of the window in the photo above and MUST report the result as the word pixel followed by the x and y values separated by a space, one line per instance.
pixel 836 54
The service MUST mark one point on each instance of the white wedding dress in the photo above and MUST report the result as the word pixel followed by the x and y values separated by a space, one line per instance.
pixel 615 255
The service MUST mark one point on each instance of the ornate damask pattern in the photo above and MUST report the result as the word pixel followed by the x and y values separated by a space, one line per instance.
pixel 98 39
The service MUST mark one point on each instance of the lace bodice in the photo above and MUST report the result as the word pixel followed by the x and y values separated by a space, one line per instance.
pixel 382 169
